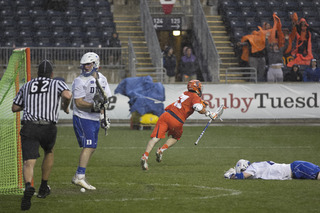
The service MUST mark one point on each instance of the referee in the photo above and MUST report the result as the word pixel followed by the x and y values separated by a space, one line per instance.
pixel 39 100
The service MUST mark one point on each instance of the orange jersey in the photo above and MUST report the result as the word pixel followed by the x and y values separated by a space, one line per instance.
pixel 183 107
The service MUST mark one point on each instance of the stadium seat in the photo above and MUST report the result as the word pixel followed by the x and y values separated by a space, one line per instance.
pixel 5 3
pixel 71 12
pixel 27 43
pixel 105 5
pixel 87 13
pixel 101 14
pixel 291 5
pixel 36 3
pixel 303 4
pixel 73 22
pixel 252 23
pixel 245 3
pixel 309 12
pixel 228 3
pixel 57 22
pixel 316 3
pixel 86 4
pixel 77 42
pixel 260 3
pixel 22 11
pixel 9 43
pixel 41 23
pixel 313 22
pixel 54 14
pixel 89 23
pixel 8 23
pixel 20 3
pixel 280 12
pixel 248 12
pixel 59 34
pixel 106 24
pixel 6 12
pixel 38 13
pixel 24 22
pixel 9 33
pixel 26 34
pixel 62 42
pixel 93 43
pixel 43 42
pixel 42 33
pixel 262 12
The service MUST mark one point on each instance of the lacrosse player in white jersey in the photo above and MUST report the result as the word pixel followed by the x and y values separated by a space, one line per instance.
pixel 269 170
pixel 88 115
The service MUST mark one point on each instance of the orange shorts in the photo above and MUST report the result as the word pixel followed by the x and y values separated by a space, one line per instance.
pixel 167 123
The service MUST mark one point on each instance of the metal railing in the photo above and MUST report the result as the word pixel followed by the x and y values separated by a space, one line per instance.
pixel 208 51
pixel 237 73
pixel 66 60
pixel 132 59
pixel 150 34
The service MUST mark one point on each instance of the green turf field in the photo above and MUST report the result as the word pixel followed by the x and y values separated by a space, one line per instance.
pixel 189 179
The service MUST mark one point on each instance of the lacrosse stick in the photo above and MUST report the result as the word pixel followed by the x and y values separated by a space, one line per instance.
pixel 218 114
pixel 105 104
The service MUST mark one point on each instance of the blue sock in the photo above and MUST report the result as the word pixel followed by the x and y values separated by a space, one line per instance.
pixel 81 170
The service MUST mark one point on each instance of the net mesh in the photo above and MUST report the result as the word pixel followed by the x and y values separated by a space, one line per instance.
pixel 10 147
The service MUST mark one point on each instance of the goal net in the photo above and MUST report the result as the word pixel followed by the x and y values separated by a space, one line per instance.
pixel 16 74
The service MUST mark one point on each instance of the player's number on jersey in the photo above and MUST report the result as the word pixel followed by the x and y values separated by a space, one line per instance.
pixel 181 99
pixel 39 86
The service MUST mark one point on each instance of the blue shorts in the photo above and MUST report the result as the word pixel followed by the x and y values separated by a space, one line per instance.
pixel 304 170
pixel 86 131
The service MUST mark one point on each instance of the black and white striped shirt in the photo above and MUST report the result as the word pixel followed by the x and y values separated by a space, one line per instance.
pixel 40 98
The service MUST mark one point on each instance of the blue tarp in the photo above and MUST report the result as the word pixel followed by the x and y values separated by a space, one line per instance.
pixel 145 95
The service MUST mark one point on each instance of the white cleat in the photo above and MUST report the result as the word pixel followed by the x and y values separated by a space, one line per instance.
pixel 144 163
pixel 82 182
pixel 159 155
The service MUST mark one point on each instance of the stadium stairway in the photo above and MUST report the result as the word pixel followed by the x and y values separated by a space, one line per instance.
pixel 224 46
pixel 129 26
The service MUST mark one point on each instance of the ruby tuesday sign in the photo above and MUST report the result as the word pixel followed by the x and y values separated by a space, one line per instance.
pixel 262 101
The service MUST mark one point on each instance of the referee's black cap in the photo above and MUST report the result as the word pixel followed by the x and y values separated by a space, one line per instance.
pixel 45 68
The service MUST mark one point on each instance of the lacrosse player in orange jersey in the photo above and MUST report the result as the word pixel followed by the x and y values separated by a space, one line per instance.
pixel 173 118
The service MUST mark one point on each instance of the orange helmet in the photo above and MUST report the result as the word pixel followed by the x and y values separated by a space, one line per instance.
pixel 195 86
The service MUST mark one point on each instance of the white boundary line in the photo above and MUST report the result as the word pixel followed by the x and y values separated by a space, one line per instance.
pixel 225 192
pixel 198 147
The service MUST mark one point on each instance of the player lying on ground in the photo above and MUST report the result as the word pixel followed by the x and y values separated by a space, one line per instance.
pixel 269 170
pixel 173 118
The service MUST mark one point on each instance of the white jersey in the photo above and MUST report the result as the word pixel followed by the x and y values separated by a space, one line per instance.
pixel 85 87
pixel 269 170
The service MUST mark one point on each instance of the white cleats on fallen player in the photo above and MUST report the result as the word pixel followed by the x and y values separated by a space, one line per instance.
pixel 82 182
pixel 159 155
pixel 144 163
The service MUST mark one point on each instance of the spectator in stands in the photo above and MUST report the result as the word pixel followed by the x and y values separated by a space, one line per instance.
pixel 188 66
pixel 254 48
pixel 114 54
pixel 294 75
pixel 169 63
pixel 275 55
pixel 256 58
pixel 301 33
pixel 312 73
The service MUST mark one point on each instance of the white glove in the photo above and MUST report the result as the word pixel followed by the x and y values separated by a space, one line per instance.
pixel 212 115
pixel 229 173
pixel 104 122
